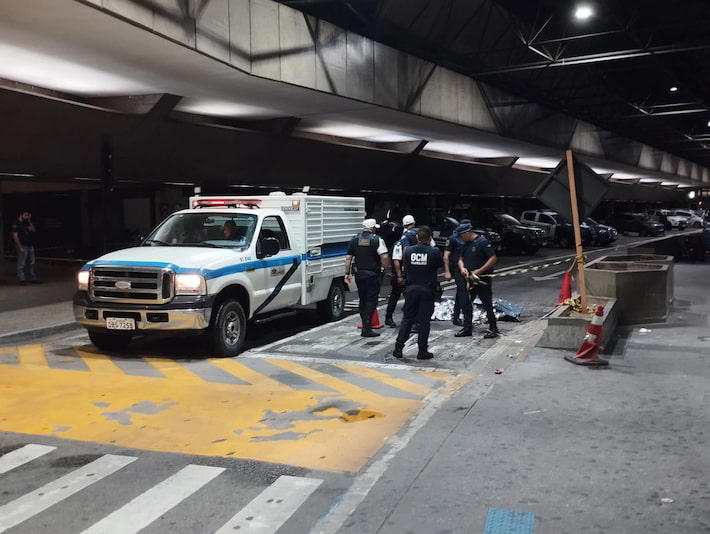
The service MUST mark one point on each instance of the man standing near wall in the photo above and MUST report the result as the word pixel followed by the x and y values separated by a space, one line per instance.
pixel 23 233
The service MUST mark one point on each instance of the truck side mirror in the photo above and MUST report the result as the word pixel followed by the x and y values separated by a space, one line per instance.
pixel 269 246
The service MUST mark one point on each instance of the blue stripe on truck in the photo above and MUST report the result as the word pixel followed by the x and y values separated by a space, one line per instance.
pixel 223 271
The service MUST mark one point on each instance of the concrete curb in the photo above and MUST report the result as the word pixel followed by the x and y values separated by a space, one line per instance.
pixel 21 336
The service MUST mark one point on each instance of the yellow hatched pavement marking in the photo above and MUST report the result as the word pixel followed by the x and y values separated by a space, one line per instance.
pixel 248 375
pixel 99 363
pixel 399 383
pixel 31 355
pixel 173 370
pixel 325 379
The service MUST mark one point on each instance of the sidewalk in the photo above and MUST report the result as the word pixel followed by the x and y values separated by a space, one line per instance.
pixel 37 306
pixel 620 450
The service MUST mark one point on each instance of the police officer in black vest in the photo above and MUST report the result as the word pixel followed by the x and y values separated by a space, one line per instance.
pixel 478 257
pixel 452 253
pixel 421 263
pixel 371 259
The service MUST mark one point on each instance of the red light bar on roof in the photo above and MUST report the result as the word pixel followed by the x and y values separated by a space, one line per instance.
pixel 225 201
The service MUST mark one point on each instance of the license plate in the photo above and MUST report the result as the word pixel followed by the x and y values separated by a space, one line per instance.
pixel 120 323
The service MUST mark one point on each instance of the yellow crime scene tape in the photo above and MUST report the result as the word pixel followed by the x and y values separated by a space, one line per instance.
pixel 473 279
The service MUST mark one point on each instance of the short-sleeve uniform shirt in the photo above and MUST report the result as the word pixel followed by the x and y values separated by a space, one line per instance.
pixel 476 253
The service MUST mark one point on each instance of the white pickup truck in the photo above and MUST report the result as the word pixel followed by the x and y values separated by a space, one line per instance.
pixel 225 261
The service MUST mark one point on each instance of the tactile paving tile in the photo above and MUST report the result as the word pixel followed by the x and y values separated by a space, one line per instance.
pixel 501 521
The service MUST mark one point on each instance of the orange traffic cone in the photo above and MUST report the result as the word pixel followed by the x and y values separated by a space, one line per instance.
pixel 588 353
pixel 374 322
pixel 565 290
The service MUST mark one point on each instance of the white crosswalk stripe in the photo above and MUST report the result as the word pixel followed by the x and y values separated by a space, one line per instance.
pixel 31 504
pixel 265 514
pixel 21 456
pixel 273 506
pixel 150 505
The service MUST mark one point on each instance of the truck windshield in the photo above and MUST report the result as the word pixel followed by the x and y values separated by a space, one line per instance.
pixel 228 230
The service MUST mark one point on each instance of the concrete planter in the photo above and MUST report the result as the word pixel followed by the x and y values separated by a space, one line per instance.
pixel 566 328
pixel 645 258
pixel 640 289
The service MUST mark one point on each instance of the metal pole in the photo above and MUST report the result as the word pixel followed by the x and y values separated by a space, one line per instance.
pixel 577 233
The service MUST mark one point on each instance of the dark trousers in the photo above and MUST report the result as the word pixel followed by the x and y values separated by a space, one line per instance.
pixel 485 293
pixel 368 289
pixel 460 292
pixel 418 307
pixel 394 297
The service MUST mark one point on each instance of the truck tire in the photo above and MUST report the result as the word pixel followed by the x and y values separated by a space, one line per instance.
pixel 109 340
pixel 333 307
pixel 228 330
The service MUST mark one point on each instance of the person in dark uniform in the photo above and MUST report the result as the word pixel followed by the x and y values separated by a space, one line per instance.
pixel 408 239
pixel 452 253
pixel 478 257
pixel 421 263
pixel 371 259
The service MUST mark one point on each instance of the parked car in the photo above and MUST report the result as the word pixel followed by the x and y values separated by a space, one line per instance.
pixel 515 236
pixel 637 223
pixel 442 229
pixel 668 219
pixel 692 219
pixel 557 230
pixel 602 234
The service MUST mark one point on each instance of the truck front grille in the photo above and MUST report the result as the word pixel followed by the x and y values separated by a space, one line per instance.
pixel 131 284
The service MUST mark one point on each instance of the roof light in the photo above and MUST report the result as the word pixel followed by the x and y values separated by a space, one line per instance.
pixel 583 12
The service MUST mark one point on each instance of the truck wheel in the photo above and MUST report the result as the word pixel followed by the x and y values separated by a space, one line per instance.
pixel 109 340
pixel 333 307
pixel 228 329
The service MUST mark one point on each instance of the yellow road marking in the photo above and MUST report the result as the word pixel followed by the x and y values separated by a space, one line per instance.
pixel 325 379
pixel 266 421
pixel 31 355
pixel 99 363
pixel 173 370
pixel 248 375
pixel 398 383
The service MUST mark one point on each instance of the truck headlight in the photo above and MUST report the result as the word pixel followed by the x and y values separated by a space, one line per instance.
pixel 82 279
pixel 190 284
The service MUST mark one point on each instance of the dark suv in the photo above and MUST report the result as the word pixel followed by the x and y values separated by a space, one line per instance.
pixel 516 237
pixel 447 225
pixel 636 223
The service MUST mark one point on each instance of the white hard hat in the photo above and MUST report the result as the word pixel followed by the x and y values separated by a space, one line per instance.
pixel 407 220
pixel 370 223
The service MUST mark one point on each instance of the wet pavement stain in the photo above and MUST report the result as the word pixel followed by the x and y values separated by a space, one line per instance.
pixel 285 420
pixel 143 407
pixel 285 436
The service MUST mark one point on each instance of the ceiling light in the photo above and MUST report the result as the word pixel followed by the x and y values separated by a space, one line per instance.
pixel 691 195
pixel 16 174
pixel 583 12
pixel 465 149
pixel 52 72
pixel 674 89
pixel 357 131
pixel 540 163
pixel 220 108
pixel 708 123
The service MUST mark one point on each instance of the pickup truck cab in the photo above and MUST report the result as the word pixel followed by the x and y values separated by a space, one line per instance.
pixel 224 262
pixel 556 229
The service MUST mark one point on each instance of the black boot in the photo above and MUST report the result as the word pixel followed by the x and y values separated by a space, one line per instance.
pixel 490 334
pixel 367 332
pixel 390 322
pixel 465 332
pixel 424 355
pixel 397 353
